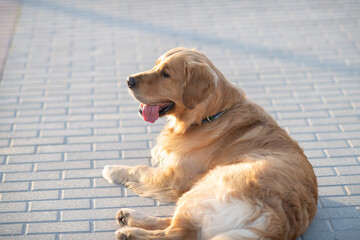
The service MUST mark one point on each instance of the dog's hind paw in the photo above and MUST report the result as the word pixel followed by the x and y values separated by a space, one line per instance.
pixel 123 234
pixel 122 217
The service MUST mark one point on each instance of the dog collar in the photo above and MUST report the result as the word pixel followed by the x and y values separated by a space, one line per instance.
pixel 213 117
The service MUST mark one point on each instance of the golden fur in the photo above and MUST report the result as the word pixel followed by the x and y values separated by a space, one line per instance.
pixel 239 176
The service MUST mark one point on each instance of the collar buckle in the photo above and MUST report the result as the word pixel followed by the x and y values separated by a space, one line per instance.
pixel 213 117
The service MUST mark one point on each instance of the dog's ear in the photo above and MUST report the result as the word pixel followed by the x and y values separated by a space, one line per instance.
pixel 198 85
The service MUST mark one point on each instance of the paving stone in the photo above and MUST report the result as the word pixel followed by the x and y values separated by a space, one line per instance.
pixel 62 165
pixel 74 204
pixel 347 235
pixel 93 155
pixel 350 201
pixel 333 162
pixel 26 217
pixel 346 224
pixel 61 184
pixel 14 187
pixel 90 214
pixel 338 212
pixel 338 180
pixel 92 139
pixel 31 176
pixel 92 193
pixel 11 229
pixel 66 132
pixel 30 237
pixel 57 227
pixel 12 206
pixel 353 189
pixel 38 141
pixel 89 236
pixel 86 173
pixel 348 170
pixel 15 168
pixel 122 145
pixel 16 150
pixel 32 158
pixel 110 225
pixel 123 202
pixel 331 191
pixel 64 148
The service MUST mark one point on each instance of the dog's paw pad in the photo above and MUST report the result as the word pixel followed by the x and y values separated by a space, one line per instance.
pixel 122 217
pixel 122 235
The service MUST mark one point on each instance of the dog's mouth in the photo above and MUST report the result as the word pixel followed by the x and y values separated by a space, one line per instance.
pixel 151 113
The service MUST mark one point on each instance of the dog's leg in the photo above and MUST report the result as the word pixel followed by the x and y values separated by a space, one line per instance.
pixel 158 183
pixel 132 218
pixel 137 226
pixel 122 174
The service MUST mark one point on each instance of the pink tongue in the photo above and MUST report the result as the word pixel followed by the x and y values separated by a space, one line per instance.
pixel 150 112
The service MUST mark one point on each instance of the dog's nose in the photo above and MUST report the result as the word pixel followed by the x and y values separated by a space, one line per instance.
pixel 131 82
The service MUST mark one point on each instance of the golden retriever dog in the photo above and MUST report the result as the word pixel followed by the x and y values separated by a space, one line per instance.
pixel 232 171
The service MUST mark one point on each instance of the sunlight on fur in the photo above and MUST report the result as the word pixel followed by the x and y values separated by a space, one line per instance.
pixel 232 171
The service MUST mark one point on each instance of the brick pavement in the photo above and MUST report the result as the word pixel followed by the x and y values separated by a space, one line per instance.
pixel 65 111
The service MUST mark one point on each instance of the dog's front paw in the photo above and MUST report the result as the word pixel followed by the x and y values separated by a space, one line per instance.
pixel 116 173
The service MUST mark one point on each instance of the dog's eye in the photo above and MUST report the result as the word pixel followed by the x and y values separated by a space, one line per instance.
pixel 165 74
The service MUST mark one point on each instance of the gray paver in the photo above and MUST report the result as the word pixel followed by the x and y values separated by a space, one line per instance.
pixel 60 205
pixel 65 112
pixel 11 228
pixel 58 227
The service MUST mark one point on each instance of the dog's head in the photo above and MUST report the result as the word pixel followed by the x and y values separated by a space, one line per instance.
pixel 179 82
pixel 185 85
